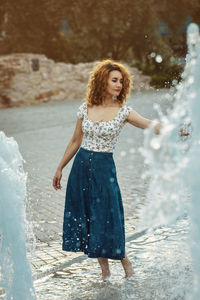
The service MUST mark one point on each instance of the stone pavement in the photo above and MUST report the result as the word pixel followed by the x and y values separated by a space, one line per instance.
pixel 43 133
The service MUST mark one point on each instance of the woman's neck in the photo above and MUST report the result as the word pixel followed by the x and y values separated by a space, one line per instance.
pixel 108 101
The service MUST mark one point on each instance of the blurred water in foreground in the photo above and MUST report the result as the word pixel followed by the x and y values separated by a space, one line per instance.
pixel 16 278
pixel 174 161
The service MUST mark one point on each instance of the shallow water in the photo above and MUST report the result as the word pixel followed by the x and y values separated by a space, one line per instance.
pixel 162 266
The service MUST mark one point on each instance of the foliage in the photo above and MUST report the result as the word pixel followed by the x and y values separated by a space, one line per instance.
pixel 109 28
pixel 31 26
pixel 177 14
pixel 95 29
pixel 163 74
pixel 81 30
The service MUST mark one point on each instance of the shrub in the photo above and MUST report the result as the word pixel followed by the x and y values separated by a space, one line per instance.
pixel 163 74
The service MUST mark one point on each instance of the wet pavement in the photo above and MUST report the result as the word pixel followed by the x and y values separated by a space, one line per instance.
pixel 43 133
pixel 162 271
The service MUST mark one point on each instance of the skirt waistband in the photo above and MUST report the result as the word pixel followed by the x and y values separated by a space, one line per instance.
pixel 96 153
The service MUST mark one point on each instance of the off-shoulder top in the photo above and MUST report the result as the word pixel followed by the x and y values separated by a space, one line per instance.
pixel 102 136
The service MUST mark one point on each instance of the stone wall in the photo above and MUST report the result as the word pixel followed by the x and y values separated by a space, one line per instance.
pixel 27 79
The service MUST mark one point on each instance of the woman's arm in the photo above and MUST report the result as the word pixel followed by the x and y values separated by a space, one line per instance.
pixel 70 151
pixel 73 145
pixel 137 120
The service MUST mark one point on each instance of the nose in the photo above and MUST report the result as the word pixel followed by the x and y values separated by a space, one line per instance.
pixel 119 85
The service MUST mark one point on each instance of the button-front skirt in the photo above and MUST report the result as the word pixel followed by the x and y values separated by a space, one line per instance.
pixel 94 217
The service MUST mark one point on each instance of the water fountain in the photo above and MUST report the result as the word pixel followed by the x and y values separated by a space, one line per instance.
pixel 16 278
pixel 193 167
pixel 174 163
pixel 173 193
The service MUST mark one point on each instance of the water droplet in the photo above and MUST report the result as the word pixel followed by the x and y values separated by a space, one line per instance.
pixel 155 143
pixel 190 79
pixel 123 153
pixel 118 251
pixel 158 58
pixel 112 179
pixel 174 82
pixel 78 244
pixel 113 170
pixel 153 54
pixel 192 95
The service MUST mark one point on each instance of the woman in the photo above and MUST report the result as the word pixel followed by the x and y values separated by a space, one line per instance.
pixel 94 217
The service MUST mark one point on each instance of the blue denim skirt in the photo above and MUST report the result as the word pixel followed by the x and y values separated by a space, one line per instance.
pixel 93 220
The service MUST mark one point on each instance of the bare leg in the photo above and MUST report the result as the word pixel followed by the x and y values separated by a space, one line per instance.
pixel 127 267
pixel 104 267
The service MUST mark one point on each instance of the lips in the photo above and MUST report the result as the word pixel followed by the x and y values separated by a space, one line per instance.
pixel 117 90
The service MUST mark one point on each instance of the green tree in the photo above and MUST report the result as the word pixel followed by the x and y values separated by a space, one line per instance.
pixel 194 10
pixel 174 14
pixel 94 29
pixel 109 28
pixel 31 26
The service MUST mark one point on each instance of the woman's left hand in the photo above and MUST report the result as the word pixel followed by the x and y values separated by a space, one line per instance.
pixel 182 133
pixel 159 126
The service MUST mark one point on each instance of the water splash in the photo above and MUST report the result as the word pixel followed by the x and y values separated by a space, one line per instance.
pixel 174 163
pixel 193 167
pixel 158 58
pixel 166 156
pixel 16 273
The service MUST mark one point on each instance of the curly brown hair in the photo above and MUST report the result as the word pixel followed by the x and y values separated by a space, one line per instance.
pixel 97 85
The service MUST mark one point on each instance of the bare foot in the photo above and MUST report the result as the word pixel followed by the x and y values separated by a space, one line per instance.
pixel 104 268
pixel 106 275
pixel 128 269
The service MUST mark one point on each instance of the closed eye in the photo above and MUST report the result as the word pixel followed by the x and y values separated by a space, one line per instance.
pixel 114 80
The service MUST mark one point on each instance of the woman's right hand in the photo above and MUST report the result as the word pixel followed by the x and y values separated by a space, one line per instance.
pixel 56 180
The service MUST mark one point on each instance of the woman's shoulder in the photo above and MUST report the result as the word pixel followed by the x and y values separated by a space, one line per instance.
pixel 83 105
pixel 126 107
pixel 124 111
pixel 81 110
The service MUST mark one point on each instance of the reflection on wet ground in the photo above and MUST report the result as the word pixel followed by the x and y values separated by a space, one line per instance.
pixel 161 262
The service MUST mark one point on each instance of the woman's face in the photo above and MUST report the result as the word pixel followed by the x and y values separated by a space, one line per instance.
pixel 115 83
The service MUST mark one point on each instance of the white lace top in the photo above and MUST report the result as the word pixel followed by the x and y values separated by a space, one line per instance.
pixel 102 136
